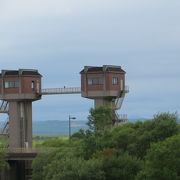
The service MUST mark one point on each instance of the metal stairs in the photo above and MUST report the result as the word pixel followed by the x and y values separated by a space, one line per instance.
pixel 117 104
pixel 4 106
pixel 4 128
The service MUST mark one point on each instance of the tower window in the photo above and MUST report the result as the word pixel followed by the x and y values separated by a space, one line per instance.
pixel 114 80
pixel 11 84
pixel 95 81
pixel 32 85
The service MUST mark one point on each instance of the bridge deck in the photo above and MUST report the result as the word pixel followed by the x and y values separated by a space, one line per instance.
pixel 69 90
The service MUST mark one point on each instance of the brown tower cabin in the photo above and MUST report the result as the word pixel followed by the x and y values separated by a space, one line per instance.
pixel 19 88
pixel 106 85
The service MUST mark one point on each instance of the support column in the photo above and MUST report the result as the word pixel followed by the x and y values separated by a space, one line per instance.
pixel 20 124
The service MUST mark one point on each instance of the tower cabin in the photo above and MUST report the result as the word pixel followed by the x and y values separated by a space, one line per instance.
pixel 106 86
pixel 22 84
pixel 102 83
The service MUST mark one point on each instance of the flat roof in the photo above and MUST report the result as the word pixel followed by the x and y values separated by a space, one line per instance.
pixel 104 68
pixel 19 72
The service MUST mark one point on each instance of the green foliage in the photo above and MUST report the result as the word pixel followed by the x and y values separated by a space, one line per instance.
pixel 118 165
pixel 41 161
pixel 123 152
pixel 100 118
pixel 3 163
pixel 70 167
pixel 162 161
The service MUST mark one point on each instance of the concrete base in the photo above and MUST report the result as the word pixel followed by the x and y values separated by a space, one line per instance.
pixel 18 170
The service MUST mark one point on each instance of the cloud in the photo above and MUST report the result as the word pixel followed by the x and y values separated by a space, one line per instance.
pixel 59 37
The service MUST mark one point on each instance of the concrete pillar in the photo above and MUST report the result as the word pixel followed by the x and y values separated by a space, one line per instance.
pixel 20 124
pixel 102 102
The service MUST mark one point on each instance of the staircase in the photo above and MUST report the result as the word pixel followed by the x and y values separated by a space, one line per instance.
pixel 4 106
pixel 122 118
pixel 119 100
pixel 4 127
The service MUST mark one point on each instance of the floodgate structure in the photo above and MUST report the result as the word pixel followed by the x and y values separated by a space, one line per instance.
pixel 19 88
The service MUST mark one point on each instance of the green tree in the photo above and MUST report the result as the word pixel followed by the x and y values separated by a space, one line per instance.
pixel 3 162
pixel 40 162
pixel 118 165
pixel 162 126
pixel 162 161
pixel 100 118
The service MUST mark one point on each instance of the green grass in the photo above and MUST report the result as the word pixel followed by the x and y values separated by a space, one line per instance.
pixel 39 141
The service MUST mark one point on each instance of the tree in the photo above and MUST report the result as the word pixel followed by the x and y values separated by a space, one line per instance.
pixel 118 165
pixel 3 162
pixel 40 162
pixel 100 118
pixel 162 126
pixel 162 161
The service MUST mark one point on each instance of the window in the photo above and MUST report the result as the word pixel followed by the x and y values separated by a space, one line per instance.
pixel 114 80
pixel 95 81
pixel 38 87
pixel 32 85
pixel 11 84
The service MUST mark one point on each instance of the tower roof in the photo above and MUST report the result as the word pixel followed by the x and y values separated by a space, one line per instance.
pixel 20 72
pixel 104 68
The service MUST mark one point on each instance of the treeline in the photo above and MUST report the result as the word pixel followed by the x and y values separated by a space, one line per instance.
pixel 147 150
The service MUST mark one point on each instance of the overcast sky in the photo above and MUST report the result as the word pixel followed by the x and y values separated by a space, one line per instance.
pixel 60 37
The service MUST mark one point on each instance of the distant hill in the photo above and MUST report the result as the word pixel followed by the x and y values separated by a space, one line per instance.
pixel 56 127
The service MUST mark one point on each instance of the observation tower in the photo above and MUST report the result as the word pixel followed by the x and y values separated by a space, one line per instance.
pixel 106 86
pixel 18 89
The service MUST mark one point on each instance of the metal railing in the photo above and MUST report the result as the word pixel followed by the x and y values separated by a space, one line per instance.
pixel 121 118
pixel 69 90
pixel 126 89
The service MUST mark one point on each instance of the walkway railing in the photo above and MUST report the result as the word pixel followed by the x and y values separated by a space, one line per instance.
pixel 69 90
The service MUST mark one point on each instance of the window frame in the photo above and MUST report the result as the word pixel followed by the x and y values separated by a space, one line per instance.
pixel 11 84
pixel 95 81
pixel 115 80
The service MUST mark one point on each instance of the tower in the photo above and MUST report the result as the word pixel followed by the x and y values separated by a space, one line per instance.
pixel 20 88
pixel 106 85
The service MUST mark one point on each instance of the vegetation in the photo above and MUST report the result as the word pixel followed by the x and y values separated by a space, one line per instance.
pixel 133 151
pixel 3 163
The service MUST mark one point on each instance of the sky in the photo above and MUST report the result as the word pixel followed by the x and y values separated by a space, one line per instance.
pixel 60 37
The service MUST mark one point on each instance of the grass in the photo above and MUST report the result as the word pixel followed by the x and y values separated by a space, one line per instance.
pixel 39 141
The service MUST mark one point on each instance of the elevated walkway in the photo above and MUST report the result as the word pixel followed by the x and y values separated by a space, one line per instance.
pixel 68 90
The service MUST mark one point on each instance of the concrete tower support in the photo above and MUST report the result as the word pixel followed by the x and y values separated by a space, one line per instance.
pixel 20 124
pixel 103 102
